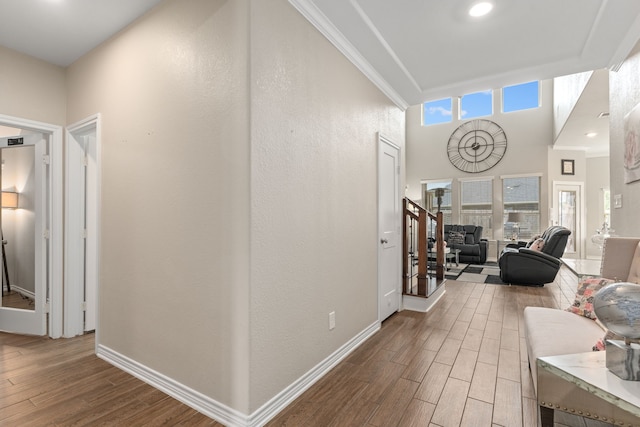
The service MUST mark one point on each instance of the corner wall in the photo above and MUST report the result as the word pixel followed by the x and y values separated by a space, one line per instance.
pixel 32 89
pixel 172 89
pixel 239 194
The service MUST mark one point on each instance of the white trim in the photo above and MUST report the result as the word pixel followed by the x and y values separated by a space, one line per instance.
pixel 289 394
pixel 221 412
pixel 318 19
pixel 422 304
pixel 55 241
pixel 432 181
pixel 74 289
pixel 476 178
pixel 522 175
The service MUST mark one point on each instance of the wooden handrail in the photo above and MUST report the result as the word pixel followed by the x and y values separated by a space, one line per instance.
pixel 415 224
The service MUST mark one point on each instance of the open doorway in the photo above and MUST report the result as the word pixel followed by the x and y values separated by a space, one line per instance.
pixel 81 228
pixel 31 224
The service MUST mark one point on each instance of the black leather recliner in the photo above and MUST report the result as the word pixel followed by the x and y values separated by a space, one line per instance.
pixel 524 266
pixel 474 248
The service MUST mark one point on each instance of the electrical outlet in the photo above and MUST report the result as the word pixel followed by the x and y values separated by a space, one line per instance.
pixel 332 320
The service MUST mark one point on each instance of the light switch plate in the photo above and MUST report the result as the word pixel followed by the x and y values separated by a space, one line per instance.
pixel 617 201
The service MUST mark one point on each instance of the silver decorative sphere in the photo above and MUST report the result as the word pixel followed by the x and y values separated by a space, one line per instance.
pixel 617 306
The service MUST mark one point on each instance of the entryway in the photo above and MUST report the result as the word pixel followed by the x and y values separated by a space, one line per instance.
pixel 32 215
pixel 81 226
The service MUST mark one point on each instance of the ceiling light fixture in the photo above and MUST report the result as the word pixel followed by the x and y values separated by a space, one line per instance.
pixel 591 134
pixel 480 9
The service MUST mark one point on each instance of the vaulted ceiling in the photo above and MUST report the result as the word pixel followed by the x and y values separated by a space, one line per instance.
pixel 413 50
pixel 421 50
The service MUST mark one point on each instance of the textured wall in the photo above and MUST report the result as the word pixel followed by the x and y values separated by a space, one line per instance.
pixel 315 120
pixel 238 209
pixel 31 89
pixel 172 90
pixel 624 94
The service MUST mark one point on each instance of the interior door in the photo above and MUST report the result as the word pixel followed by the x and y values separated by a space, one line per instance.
pixel 389 248
pixel 81 245
pixel 569 213
pixel 24 224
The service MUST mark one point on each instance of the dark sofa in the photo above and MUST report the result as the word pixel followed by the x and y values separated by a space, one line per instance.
pixel 524 266
pixel 474 248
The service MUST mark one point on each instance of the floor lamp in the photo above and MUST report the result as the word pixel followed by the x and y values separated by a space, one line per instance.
pixel 9 201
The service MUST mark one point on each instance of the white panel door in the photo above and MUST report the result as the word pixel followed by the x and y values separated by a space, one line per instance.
pixel 32 209
pixel 389 244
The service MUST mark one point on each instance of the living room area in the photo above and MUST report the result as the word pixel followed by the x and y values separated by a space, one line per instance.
pixel 527 190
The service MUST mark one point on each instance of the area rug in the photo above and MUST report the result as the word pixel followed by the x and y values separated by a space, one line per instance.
pixel 486 273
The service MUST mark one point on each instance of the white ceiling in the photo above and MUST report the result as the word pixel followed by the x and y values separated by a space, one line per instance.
pixel 414 50
pixel 422 50
pixel 61 31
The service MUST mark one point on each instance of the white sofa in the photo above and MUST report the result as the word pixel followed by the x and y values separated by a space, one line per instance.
pixel 553 332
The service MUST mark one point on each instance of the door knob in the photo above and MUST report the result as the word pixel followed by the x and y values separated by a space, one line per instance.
pixel 383 241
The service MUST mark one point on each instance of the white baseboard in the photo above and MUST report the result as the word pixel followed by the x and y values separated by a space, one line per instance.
pixel 198 401
pixel 220 412
pixel 22 291
pixel 422 304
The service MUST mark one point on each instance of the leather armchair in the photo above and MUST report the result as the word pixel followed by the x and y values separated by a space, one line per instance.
pixel 474 248
pixel 525 266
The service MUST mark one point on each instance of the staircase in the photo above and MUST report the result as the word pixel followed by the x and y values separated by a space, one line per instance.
pixel 423 268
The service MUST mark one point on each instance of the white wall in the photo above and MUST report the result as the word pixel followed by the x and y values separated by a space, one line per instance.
pixel 315 120
pixel 175 254
pixel 239 194
pixel 624 95
pixel 31 89
pixel 529 134
pixel 566 92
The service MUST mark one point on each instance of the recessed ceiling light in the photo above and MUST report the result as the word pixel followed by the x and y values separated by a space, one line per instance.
pixel 591 134
pixel 480 9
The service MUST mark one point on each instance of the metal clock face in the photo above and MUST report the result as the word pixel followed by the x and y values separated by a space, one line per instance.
pixel 476 146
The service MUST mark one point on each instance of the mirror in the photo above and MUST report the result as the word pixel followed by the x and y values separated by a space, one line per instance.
pixel 17 220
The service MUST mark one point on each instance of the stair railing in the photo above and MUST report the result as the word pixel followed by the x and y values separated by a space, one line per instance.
pixel 417 256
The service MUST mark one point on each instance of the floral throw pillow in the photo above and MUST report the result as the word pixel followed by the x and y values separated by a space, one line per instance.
pixel 587 288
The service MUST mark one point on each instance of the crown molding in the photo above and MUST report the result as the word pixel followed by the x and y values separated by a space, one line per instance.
pixel 319 20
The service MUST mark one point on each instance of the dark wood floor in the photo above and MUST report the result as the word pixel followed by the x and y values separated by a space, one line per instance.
pixel 464 363
pixel 46 382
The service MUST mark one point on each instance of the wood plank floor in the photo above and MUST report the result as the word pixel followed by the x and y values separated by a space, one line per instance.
pixel 462 364
pixel 46 382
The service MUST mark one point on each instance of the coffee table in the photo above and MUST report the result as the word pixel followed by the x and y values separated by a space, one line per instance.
pixel 582 385
pixel 449 255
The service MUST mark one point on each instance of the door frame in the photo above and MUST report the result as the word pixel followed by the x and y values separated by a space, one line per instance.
pixel 77 242
pixel 382 141
pixel 580 217
pixel 54 304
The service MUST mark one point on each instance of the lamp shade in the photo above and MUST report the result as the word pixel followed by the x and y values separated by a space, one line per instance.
pixel 9 199
pixel 515 217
